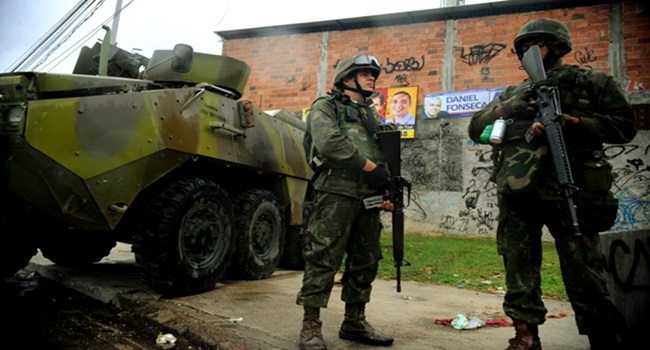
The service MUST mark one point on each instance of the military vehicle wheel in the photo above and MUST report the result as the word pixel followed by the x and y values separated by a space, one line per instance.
pixel 260 235
pixel 295 240
pixel 186 238
pixel 76 248
pixel 18 239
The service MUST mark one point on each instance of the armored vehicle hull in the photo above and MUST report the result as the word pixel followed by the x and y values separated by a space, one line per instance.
pixel 202 184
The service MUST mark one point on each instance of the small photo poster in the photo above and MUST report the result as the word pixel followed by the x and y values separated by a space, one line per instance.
pixel 379 102
pixel 402 106
pixel 457 103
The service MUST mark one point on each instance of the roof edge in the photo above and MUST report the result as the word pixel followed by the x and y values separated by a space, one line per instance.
pixel 412 17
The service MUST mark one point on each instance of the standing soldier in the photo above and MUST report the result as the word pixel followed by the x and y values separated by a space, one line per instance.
pixel 343 150
pixel 595 111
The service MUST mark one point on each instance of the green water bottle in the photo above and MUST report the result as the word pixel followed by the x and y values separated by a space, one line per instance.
pixel 485 135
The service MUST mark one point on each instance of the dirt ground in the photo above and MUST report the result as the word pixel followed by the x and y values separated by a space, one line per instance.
pixel 42 314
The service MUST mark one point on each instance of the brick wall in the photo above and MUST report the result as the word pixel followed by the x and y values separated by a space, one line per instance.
pixel 285 68
pixel 450 174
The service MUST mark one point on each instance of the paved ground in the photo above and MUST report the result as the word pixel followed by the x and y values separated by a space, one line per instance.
pixel 263 314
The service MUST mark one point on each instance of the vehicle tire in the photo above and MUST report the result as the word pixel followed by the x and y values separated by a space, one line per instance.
pixel 292 258
pixel 260 235
pixel 18 235
pixel 186 238
pixel 76 248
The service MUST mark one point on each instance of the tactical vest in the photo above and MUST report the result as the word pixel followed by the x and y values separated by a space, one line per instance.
pixel 359 128
pixel 520 165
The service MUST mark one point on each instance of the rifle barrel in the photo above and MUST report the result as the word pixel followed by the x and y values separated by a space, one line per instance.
pixel 549 114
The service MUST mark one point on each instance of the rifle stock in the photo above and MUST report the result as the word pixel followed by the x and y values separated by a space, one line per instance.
pixel 390 144
pixel 549 114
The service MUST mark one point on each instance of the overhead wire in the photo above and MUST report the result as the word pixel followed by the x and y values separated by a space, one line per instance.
pixel 20 61
pixel 68 33
pixel 38 55
pixel 220 39
pixel 73 48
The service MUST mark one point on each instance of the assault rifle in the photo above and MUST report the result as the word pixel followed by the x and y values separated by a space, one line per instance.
pixel 549 113
pixel 390 144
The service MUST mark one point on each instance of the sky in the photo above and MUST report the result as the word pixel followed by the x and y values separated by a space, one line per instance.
pixel 147 25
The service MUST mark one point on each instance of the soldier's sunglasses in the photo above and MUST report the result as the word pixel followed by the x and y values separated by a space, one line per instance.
pixel 366 59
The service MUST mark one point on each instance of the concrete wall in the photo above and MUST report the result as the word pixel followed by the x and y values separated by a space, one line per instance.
pixel 449 172
pixel 452 193
pixel 626 256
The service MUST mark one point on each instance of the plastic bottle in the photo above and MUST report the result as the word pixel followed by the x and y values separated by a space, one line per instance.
pixel 498 131
pixel 485 135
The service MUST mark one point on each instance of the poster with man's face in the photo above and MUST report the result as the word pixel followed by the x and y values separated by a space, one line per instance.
pixel 379 102
pixel 402 104
pixel 458 103
pixel 434 107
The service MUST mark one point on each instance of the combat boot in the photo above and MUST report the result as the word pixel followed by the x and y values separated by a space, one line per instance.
pixel 526 337
pixel 603 340
pixel 356 328
pixel 311 336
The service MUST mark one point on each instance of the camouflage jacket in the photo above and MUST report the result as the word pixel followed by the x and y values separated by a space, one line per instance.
pixel 341 143
pixel 605 117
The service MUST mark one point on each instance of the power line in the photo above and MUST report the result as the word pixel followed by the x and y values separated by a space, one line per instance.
pixel 62 32
pixel 39 53
pixel 68 25
pixel 29 54
pixel 74 47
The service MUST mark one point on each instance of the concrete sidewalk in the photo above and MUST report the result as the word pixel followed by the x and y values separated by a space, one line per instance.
pixel 263 314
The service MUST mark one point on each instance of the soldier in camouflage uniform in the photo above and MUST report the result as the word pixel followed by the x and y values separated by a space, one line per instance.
pixel 595 111
pixel 342 148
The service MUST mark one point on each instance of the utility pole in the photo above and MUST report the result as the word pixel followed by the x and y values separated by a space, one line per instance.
pixel 116 21
pixel 450 3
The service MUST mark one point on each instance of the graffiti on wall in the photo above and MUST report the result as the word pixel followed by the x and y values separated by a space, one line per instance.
pixel 402 79
pixel 638 86
pixel 406 65
pixel 631 164
pixel 584 58
pixel 431 163
pixel 481 54
pixel 626 277
pixel 480 209
pixel 631 185
pixel 305 83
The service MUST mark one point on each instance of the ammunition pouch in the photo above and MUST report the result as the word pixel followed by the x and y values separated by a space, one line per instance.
pixel 516 129
pixel 596 213
pixel 594 175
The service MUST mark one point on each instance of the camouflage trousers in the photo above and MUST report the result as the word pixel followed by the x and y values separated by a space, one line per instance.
pixel 340 226
pixel 519 242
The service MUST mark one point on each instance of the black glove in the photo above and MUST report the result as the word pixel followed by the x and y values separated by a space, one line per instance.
pixel 548 82
pixel 379 177
pixel 519 107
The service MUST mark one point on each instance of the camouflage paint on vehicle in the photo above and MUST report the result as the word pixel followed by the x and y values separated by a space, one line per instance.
pixel 87 149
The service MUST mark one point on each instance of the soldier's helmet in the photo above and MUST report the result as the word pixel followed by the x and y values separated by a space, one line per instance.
pixel 350 64
pixel 554 32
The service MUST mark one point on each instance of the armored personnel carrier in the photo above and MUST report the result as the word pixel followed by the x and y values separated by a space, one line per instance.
pixel 159 153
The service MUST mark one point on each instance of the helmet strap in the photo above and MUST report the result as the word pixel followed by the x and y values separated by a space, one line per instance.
pixel 364 93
